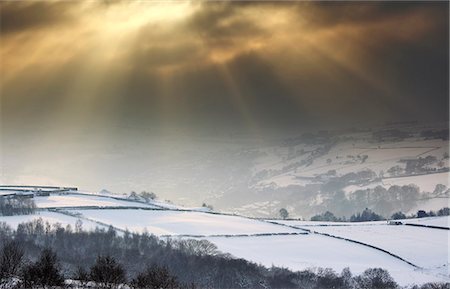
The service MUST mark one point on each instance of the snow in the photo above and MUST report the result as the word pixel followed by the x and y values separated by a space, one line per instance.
pixel 424 247
pixel 152 203
pixel 181 222
pixel 51 217
pixel 380 157
pixel 74 200
pixel 284 244
pixel 300 252
pixel 426 183
pixel 299 223
pixel 2 193
pixel 431 221
pixel 284 180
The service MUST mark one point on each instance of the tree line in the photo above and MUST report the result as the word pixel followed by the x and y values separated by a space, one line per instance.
pixel 368 215
pixel 17 205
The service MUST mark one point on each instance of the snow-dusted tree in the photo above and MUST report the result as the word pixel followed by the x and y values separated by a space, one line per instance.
pixel 439 189
pixel 284 214
pixel 398 216
pixel 148 196
pixel 197 247
pixel 375 278
pixel 78 226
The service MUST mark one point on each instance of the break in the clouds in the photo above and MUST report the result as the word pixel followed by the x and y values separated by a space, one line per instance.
pixel 256 66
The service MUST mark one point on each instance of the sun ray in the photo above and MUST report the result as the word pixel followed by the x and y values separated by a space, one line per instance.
pixel 238 99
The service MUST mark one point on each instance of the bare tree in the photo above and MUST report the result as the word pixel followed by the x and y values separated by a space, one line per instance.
pixel 10 259
pixel 155 277
pixel 198 247
pixel 44 272
pixel 107 272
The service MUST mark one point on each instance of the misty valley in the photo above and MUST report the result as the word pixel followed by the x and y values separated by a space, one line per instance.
pixel 356 209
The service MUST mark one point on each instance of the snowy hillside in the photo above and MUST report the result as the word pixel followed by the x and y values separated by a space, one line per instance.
pixel 75 200
pixel 174 222
pixel 313 251
pixel 53 218
pixel 411 254
pixel 337 170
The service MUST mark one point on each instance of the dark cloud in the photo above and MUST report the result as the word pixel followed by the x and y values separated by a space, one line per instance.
pixel 19 16
pixel 219 23
pixel 327 14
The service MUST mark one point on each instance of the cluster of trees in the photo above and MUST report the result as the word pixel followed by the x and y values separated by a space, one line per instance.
pixel 338 183
pixel 46 272
pixel 142 196
pixel 396 171
pixel 421 214
pixel 441 212
pixel 326 217
pixel 364 216
pixel 16 206
pixel 435 134
pixel 419 165
pixel 382 200
pixel 210 207
pixel 102 259
pixel 368 215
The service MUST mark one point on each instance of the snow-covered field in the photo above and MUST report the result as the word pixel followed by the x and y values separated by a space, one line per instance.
pixel 52 218
pixel 74 200
pixel 430 221
pixel 346 157
pixel 301 252
pixel 301 224
pixel 443 221
pixel 163 222
pixel 426 248
pixel 426 183
pixel 284 243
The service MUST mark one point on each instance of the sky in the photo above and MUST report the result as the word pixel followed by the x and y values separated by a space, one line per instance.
pixel 83 77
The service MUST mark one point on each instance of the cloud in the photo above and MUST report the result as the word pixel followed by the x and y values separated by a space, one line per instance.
pixel 332 14
pixel 225 63
pixel 21 16
pixel 215 21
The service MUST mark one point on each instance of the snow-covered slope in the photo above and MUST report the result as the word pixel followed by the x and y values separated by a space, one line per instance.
pixel 165 222
pixel 430 221
pixel 426 248
pixel 307 173
pixel 76 200
pixel 412 254
pixel 52 218
pixel 309 251
pixel 423 247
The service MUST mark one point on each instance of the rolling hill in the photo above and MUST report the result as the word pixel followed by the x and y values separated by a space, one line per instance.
pixel 412 254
